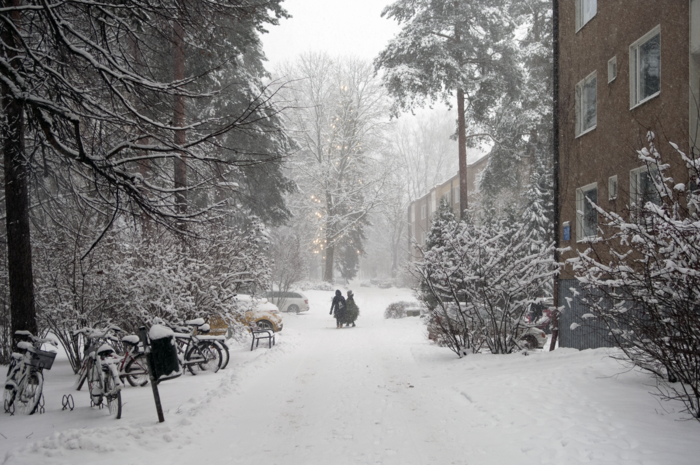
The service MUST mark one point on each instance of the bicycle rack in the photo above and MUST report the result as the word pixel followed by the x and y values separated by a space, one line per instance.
pixel 68 402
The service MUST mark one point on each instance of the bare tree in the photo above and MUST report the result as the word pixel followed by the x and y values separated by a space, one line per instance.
pixel 337 111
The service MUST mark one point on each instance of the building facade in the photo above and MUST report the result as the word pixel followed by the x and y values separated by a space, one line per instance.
pixel 421 211
pixel 625 68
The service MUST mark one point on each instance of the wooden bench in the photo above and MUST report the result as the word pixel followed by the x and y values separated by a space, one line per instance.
pixel 259 334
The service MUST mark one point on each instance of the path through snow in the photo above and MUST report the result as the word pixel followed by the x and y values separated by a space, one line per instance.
pixel 379 393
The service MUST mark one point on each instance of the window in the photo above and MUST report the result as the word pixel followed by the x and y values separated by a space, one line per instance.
pixel 643 190
pixel 612 187
pixel 456 190
pixel 587 215
pixel 422 212
pixel 612 69
pixel 645 67
pixel 586 104
pixel 585 11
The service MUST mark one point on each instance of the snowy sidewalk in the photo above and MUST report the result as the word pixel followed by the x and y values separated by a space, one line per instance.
pixel 376 394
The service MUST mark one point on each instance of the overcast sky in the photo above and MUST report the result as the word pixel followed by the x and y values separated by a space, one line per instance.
pixel 338 27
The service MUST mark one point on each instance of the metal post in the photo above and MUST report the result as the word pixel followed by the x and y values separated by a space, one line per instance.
pixel 154 382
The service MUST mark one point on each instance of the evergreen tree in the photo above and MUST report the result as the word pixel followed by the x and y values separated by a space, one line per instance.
pixel 446 47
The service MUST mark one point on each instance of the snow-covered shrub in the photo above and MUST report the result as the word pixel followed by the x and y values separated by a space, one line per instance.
pixel 396 310
pixel 641 278
pixel 132 277
pixel 316 286
pixel 478 280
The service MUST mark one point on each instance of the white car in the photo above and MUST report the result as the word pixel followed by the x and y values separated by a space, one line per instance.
pixel 291 302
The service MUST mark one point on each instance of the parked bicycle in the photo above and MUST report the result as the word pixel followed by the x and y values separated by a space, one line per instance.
pixel 25 378
pixel 100 370
pixel 196 352
pixel 132 367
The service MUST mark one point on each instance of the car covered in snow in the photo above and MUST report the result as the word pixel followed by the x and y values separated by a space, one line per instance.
pixel 290 302
pixel 260 311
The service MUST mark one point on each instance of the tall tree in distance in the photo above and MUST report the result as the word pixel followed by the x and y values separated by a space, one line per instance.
pixel 337 112
pixel 448 49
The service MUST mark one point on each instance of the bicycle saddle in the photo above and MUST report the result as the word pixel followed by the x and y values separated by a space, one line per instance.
pixel 195 322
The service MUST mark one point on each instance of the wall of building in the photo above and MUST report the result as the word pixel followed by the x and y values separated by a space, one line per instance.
pixel 419 225
pixel 610 148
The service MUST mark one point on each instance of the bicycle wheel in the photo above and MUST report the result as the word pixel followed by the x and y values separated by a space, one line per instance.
pixel 8 395
pixel 29 393
pixel 95 379
pixel 8 398
pixel 113 396
pixel 204 356
pixel 136 371
pixel 224 353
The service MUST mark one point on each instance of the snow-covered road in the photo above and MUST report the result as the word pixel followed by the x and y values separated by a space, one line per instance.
pixel 379 393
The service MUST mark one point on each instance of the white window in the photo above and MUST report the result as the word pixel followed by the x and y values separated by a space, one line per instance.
pixel 612 187
pixel 586 104
pixel 456 194
pixel 585 11
pixel 643 189
pixel 587 215
pixel 612 69
pixel 422 212
pixel 645 67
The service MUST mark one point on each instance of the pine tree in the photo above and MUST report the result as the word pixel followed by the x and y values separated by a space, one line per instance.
pixel 447 47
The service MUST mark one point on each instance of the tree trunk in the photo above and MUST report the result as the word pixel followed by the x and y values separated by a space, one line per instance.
pixel 144 164
pixel 462 142
pixel 19 250
pixel 180 168
pixel 328 272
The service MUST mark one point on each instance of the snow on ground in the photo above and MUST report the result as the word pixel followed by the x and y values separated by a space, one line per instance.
pixel 379 393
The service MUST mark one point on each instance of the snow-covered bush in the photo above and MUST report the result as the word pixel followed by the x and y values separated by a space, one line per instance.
pixel 316 286
pixel 641 278
pixel 396 310
pixel 478 280
pixel 132 277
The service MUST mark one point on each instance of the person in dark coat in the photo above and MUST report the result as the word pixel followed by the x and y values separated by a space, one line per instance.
pixel 338 306
pixel 352 311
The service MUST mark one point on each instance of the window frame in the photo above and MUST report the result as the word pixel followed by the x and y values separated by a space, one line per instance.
pixel 635 191
pixel 580 211
pixel 423 211
pixel 635 101
pixel 612 192
pixel 580 22
pixel 580 86
pixel 456 194
pixel 612 69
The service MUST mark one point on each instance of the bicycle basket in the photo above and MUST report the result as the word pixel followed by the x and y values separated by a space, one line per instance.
pixel 42 359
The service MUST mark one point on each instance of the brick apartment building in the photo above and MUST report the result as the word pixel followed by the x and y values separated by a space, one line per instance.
pixel 625 67
pixel 420 211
